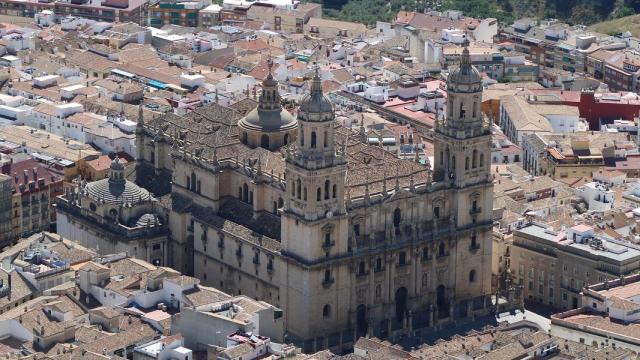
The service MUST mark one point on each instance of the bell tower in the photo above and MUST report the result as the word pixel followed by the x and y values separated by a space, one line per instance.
pixel 462 140
pixel 462 143
pixel 314 222
pixel 315 174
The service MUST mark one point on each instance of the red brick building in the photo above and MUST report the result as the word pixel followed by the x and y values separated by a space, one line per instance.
pixel 596 108
pixel 34 191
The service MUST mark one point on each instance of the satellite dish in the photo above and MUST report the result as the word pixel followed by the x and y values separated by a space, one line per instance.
pixel 329 214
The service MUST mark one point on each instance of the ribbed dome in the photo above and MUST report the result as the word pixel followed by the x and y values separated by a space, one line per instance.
pixel 110 192
pixel 315 102
pixel 465 78
pixel 148 220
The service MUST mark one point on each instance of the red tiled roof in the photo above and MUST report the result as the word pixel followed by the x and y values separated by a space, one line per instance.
pixel 27 171
pixel 103 162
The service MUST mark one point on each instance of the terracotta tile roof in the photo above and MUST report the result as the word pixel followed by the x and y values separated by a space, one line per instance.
pixel 103 162
pixel 30 171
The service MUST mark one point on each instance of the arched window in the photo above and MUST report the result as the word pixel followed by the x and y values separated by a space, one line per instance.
pixel 481 160
pixel 293 189
pixel 462 112
pixel 188 182
pixel 425 253
pixel 301 137
pixel 397 217
pixel 475 105
pixel 193 181
pixel 286 139
pixel 299 188
pixel 244 137
pixel 264 141
pixel 280 203
pixel 326 139
pixel 441 250
pixel 327 185
pixel 318 194
pixel 335 190
pixel 474 159
pixel 453 162
pixel 326 311
pixel 466 163
pixel 472 276
pixel 402 258
pixel 245 192
pixel 327 275
pixel 361 268
pixel 379 264
pixel 304 193
pixel 313 139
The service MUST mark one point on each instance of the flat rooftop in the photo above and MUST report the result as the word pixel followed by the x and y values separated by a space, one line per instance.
pixel 617 250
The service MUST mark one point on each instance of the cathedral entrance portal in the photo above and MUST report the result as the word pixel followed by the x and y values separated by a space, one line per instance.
pixel 401 303
pixel 441 301
pixel 401 308
pixel 361 320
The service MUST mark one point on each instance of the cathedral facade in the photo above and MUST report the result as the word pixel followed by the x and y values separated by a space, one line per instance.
pixel 302 213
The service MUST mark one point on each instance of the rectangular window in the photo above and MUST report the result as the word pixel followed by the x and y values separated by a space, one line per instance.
pixel 402 259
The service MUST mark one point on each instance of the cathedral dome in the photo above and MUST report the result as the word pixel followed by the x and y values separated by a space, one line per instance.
pixel 465 78
pixel 269 116
pixel 315 102
pixel 116 188
pixel 268 120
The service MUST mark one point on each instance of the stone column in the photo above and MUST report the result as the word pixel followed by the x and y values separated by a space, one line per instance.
pixel 452 306
pixel 432 311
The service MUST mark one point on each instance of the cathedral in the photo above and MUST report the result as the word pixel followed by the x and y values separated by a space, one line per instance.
pixel 300 212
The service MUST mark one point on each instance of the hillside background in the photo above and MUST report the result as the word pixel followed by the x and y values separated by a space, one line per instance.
pixel 585 12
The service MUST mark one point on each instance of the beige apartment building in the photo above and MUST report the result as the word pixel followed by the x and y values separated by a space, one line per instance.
pixel 554 266
pixel 285 21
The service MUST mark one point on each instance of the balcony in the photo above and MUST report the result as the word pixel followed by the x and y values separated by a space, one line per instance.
pixel 361 276
pixel 442 257
pixel 326 245
pixel 327 282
